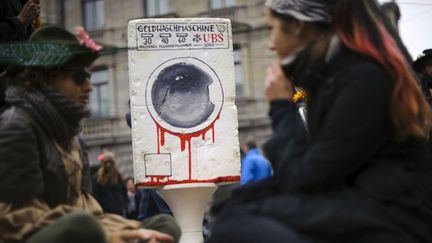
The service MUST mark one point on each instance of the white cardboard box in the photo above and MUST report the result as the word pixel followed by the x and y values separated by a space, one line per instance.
pixel 182 88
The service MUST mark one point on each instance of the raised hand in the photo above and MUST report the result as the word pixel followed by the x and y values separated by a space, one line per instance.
pixel 277 86
pixel 29 12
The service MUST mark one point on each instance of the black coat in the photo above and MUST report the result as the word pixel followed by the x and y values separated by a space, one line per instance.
pixel 133 214
pixel 346 179
pixel 112 198
pixel 30 164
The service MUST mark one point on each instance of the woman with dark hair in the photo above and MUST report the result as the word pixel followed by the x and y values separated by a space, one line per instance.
pixel 45 186
pixel 361 171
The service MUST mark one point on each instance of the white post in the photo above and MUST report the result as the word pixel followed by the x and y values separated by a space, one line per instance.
pixel 188 204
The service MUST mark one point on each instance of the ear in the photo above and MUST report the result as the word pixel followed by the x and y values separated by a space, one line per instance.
pixel 299 27
pixel 295 27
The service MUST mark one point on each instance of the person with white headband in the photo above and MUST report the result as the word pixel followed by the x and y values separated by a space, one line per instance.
pixel 361 169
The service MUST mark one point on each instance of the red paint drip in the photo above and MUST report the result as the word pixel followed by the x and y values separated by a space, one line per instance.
pixel 190 158
pixel 160 133
pixel 172 182
pixel 213 134
pixel 162 136
pixel 213 128
pixel 158 143
pixel 185 138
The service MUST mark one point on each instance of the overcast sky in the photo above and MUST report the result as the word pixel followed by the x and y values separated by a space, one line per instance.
pixel 415 25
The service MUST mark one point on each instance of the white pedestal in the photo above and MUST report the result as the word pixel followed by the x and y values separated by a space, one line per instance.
pixel 188 203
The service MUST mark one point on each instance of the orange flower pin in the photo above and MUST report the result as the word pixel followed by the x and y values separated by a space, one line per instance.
pixel 299 96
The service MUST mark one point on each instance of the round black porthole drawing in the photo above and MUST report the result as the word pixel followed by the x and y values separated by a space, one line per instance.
pixel 184 95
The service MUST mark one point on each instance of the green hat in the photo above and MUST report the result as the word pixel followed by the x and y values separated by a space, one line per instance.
pixel 52 46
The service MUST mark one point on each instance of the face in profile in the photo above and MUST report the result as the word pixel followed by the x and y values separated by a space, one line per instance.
pixel 74 83
pixel 284 35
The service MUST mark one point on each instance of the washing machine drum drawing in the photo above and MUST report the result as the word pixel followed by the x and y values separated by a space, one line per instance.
pixel 181 94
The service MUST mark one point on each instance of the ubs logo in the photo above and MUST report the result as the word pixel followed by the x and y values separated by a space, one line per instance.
pixel 214 38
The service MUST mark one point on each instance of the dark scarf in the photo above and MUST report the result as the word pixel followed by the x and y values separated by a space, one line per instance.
pixel 303 72
pixel 59 116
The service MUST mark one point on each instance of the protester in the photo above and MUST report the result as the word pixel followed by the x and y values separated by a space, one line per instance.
pixel 151 203
pixel 423 66
pixel 44 172
pixel 16 19
pixel 362 172
pixel 254 167
pixel 108 187
pixel 134 198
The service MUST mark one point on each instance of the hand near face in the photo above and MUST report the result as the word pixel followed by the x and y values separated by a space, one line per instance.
pixel 141 235
pixel 277 86
pixel 29 12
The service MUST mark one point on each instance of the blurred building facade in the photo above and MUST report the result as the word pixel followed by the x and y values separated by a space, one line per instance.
pixel 106 21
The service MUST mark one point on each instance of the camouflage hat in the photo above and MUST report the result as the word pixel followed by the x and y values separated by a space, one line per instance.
pixel 52 46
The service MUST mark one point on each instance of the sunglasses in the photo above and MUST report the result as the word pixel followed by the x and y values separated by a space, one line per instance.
pixel 79 75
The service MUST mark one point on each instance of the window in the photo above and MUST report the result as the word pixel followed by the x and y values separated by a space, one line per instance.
pixel 93 14
pixel 238 71
pixel 155 7
pixel 216 4
pixel 99 98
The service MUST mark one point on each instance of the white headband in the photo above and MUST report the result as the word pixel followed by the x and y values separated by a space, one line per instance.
pixel 303 10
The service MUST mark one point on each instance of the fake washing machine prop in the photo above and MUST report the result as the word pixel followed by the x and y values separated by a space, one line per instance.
pixel 182 90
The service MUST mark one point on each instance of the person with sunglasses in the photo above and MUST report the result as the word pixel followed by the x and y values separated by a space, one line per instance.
pixel 45 184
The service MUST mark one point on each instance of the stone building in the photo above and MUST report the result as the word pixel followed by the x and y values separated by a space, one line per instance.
pixel 106 21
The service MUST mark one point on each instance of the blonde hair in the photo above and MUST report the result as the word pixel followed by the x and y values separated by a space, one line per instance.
pixel 108 176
